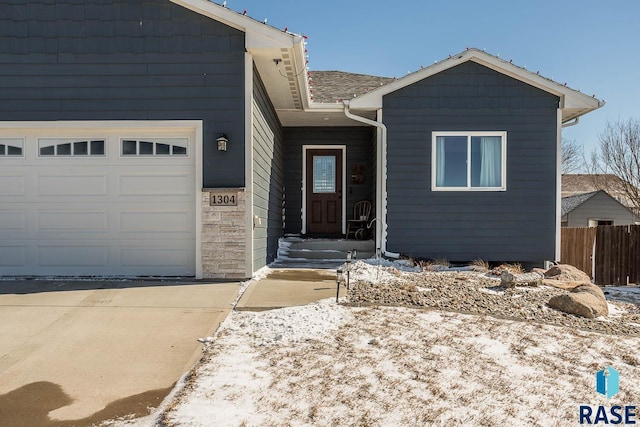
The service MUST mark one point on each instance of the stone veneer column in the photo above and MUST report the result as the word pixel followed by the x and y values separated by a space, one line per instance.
pixel 223 236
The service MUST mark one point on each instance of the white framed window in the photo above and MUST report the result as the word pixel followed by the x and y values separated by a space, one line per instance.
pixel 58 147
pixel 154 147
pixel 469 161
pixel 11 147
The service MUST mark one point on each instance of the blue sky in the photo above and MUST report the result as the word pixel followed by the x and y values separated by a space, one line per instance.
pixel 593 46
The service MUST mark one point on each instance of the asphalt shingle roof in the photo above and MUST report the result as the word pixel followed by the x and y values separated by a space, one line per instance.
pixel 335 86
pixel 571 202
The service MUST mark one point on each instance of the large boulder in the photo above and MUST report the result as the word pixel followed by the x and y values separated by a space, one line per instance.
pixel 567 273
pixel 585 300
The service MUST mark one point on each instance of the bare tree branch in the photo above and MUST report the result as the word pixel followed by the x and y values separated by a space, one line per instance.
pixel 619 154
pixel 571 156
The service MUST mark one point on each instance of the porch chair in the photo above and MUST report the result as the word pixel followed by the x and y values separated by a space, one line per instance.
pixel 361 214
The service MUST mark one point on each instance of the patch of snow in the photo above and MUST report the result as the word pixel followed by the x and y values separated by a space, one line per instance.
pixel 325 364
pixel 492 291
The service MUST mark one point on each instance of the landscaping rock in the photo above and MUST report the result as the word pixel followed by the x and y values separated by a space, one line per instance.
pixel 552 272
pixel 567 273
pixel 470 292
pixel 585 300
pixel 525 279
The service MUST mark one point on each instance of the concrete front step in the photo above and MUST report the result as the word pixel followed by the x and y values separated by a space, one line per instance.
pixel 327 254
pixel 328 244
pixel 297 252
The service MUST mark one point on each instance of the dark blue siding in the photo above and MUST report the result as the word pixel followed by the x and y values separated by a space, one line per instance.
pixel 360 144
pixel 267 176
pixel 516 225
pixel 126 60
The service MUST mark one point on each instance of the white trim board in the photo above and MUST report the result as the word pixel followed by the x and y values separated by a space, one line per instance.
pixel 248 163
pixel 304 182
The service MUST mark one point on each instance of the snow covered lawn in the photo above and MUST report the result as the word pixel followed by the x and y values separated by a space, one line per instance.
pixel 326 364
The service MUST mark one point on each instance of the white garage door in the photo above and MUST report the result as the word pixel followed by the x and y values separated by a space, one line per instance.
pixel 105 203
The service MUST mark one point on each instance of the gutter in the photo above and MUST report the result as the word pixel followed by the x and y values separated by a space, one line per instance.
pixel 381 185
pixel 572 122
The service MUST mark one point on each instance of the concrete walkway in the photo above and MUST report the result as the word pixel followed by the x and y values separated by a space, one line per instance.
pixel 288 288
pixel 90 351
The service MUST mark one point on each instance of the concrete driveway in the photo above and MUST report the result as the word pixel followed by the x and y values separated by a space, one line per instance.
pixel 75 353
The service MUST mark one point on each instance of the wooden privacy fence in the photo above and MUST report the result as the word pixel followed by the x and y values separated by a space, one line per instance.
pixel 611 253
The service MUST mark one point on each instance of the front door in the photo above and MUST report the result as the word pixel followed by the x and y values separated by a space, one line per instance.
pixel 324 191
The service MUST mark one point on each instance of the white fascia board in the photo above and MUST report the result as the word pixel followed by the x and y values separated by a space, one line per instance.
pixel 569 98
pixel 258 35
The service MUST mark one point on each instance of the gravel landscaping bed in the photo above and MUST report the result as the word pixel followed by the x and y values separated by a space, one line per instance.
pixel 478 293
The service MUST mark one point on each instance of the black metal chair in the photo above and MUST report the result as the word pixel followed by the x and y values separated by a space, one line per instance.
pixel 358 225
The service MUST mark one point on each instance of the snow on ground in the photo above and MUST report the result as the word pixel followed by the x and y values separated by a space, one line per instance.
pixel 326 364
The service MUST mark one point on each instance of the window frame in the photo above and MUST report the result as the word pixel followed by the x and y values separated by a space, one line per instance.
pixel 5 140
pixel 155 141
pixel 469 135
pixel 58 141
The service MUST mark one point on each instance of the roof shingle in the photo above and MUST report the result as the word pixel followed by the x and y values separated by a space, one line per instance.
pixel 335 86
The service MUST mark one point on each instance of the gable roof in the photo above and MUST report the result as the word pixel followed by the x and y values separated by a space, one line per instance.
pixel 336 86
pixel 572 102
pixel 571 202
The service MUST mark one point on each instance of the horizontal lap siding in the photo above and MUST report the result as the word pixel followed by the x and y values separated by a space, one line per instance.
pixel 516 225
pixel 267 176
pixel 360 149
pixel 126 60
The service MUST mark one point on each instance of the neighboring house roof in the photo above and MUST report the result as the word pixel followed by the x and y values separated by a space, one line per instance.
pixel 573 184
pixel 582 183
pixel 571 202
pixel 572 102
pixel 336 86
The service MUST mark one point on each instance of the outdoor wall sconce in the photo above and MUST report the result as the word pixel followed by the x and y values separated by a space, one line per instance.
pixel 222 142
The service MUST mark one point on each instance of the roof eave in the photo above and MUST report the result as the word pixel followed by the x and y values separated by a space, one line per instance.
pixel 258 35
pixel 574 102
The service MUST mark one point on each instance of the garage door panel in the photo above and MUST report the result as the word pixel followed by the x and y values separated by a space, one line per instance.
pixel 13 220
pixel 11 185
pixel 155 184
pixel 156 222
pixel 72 185
pixel 73 221
pixel 13 256
pixel 146 256
pixel 71 256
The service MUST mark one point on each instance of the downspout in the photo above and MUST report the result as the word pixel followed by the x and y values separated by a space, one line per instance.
pixel 381 202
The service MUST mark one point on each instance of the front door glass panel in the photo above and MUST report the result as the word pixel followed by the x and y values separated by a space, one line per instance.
pixel 324 174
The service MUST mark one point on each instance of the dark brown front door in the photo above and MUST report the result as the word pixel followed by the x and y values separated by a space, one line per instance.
pixel 324 191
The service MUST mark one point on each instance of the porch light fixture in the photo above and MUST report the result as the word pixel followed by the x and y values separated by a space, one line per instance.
pixel 222 142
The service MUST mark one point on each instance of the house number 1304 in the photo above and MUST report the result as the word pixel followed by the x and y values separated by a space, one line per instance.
pixel 224 199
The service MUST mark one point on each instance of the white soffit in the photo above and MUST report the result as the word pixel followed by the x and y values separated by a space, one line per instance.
pixel 575 103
